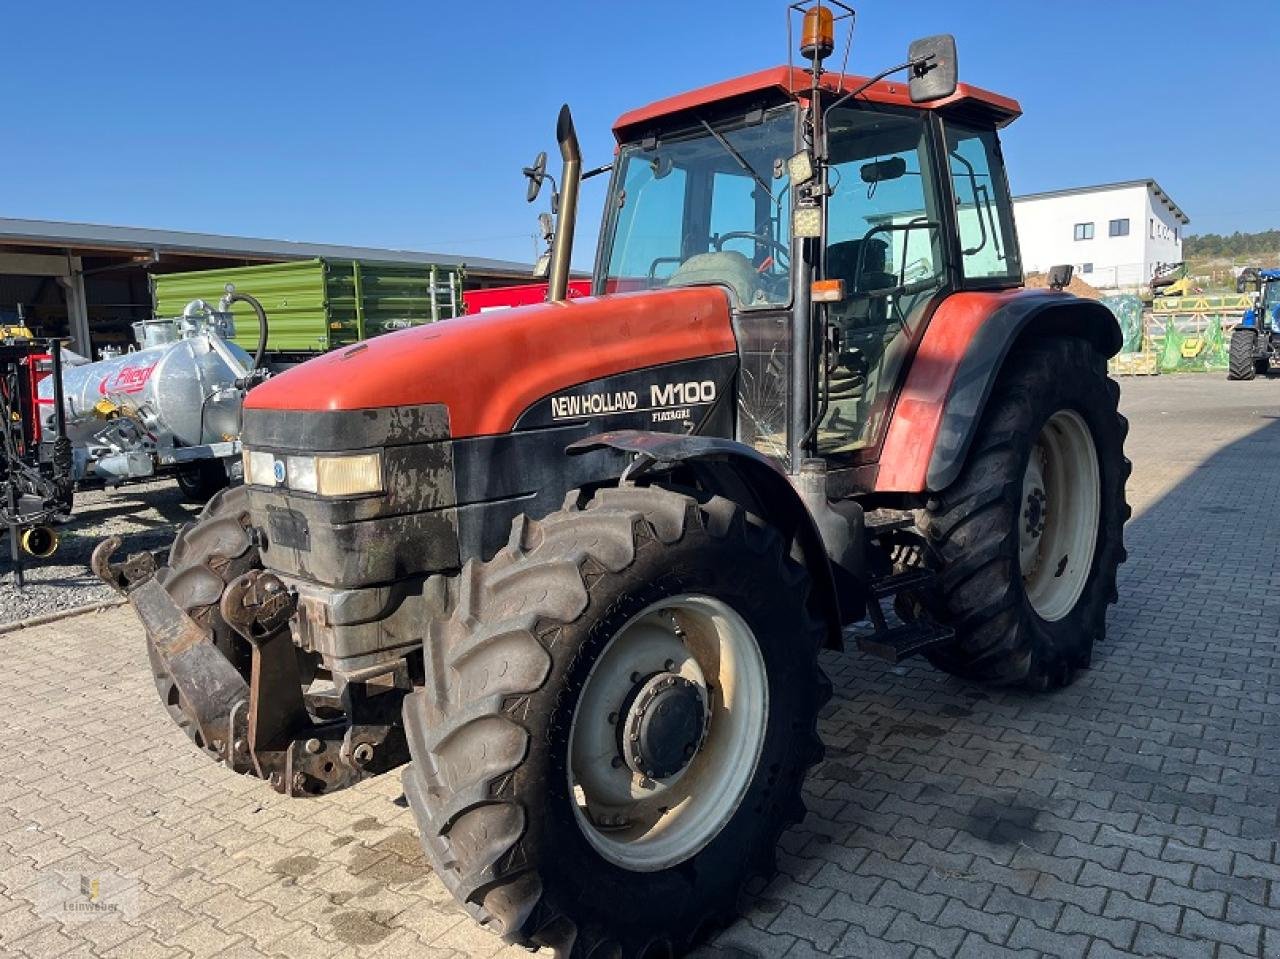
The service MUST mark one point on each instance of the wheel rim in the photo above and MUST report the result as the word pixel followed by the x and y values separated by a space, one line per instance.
pixel 1058 522
pixel 667 732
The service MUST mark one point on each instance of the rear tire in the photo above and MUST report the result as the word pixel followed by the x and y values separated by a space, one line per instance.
pixel 1015 583
pixel 1241 363
pixel 498 782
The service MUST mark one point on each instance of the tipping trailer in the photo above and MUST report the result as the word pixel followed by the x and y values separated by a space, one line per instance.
pixel 321 304
pixel 574 562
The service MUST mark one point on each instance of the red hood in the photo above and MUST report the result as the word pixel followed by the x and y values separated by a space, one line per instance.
pixel 488 369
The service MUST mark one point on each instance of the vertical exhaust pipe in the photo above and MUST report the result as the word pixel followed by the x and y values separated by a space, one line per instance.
pixel 567 209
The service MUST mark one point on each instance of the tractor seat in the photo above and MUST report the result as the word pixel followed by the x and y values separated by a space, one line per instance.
pixel 842 264
pixel 726 268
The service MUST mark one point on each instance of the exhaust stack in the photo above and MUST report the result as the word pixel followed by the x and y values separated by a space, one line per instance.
pixel 567 209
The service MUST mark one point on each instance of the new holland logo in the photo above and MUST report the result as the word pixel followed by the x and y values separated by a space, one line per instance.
pixel 663 400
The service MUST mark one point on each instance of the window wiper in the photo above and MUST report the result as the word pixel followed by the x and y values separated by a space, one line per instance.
pixel 740 160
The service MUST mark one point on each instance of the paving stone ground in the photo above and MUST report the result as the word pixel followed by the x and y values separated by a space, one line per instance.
pixel 1132 814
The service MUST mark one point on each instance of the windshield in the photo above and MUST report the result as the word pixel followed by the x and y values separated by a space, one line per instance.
pixel 703 207
pixel 1270 295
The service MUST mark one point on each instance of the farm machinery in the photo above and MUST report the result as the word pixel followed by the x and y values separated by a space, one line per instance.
pixel 172 406
pixel 1256 341
pixel 36 486
pixel 571 564
pixel 1170 279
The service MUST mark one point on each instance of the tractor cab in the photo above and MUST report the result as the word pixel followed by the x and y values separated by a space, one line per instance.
pixel 769 184
pixel 1255 343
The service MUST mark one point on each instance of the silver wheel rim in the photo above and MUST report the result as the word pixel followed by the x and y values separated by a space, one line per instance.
pixel 645 824
pixel 1058 521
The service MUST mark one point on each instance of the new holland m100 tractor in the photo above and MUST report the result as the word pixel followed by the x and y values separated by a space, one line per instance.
pixel 575 562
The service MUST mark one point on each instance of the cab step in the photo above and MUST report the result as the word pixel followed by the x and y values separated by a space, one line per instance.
pixel 881 521
pixel 901 582
pixel 896 643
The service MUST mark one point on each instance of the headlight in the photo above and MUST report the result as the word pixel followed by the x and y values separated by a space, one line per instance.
pixel 300 473
pixel 806 221
pixel 259 468
pixel 349 475
pixel 328 475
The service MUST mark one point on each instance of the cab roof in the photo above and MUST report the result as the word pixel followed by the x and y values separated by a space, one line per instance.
pixel 783 82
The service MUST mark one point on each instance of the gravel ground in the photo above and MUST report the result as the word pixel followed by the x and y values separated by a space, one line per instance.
pixel 146 515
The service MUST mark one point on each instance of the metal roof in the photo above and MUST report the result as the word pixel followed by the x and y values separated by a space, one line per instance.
pixel 1119 185
pixel 93 236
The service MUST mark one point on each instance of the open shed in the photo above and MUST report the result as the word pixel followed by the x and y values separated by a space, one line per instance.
pixel 89 282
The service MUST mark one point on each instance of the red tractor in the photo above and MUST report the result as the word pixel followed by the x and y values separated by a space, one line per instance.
pixel 576 562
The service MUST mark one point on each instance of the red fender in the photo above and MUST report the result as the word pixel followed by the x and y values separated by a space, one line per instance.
pixel 953 370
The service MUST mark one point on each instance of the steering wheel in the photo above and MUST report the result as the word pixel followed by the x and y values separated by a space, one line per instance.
pixel 760 238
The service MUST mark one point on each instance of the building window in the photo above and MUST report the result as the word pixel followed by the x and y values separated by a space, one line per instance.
pixel 1153 229
pixel 1084 231
pixel 1119 228
pixel 1086 268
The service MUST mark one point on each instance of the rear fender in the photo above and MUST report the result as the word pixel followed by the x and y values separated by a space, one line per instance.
pixel 955 368
pixel 750 479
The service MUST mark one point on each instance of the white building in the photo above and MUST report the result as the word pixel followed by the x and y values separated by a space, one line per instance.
pixel 1113 234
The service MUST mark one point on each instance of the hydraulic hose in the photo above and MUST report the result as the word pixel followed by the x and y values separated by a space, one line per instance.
pixel 236 297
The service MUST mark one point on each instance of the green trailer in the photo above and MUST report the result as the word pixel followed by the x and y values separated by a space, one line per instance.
pixel 318 305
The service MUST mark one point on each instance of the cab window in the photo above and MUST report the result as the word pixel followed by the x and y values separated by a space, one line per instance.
pixel 884 240
pixel 988 250
pixel 702 206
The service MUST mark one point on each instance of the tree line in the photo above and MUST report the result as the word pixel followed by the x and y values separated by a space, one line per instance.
pixel 1234 245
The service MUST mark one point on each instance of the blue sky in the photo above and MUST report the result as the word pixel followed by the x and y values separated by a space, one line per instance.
pixel 406 124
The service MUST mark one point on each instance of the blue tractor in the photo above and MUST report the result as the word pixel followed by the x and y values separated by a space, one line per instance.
pixel 1256 340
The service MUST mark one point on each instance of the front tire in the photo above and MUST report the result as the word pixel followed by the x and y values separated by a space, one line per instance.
pixel 205 556
pixel 1241 364
pixel 1029 537
pixel 605 663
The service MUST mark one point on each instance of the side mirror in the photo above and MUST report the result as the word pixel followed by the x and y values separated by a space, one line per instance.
pixel 536 174
pixel 933 68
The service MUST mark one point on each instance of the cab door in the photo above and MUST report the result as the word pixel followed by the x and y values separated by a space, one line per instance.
pixel 885 241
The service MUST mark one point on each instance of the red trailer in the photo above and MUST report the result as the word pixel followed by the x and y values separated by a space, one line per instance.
pixel 526 294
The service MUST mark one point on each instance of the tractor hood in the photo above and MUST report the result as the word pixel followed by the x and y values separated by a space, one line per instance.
pixel 489 368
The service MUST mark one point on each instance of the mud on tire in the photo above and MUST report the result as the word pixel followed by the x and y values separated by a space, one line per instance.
pixel 489 732
pixel 972 528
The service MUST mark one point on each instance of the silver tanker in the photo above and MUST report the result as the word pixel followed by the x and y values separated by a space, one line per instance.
pixel 171 405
